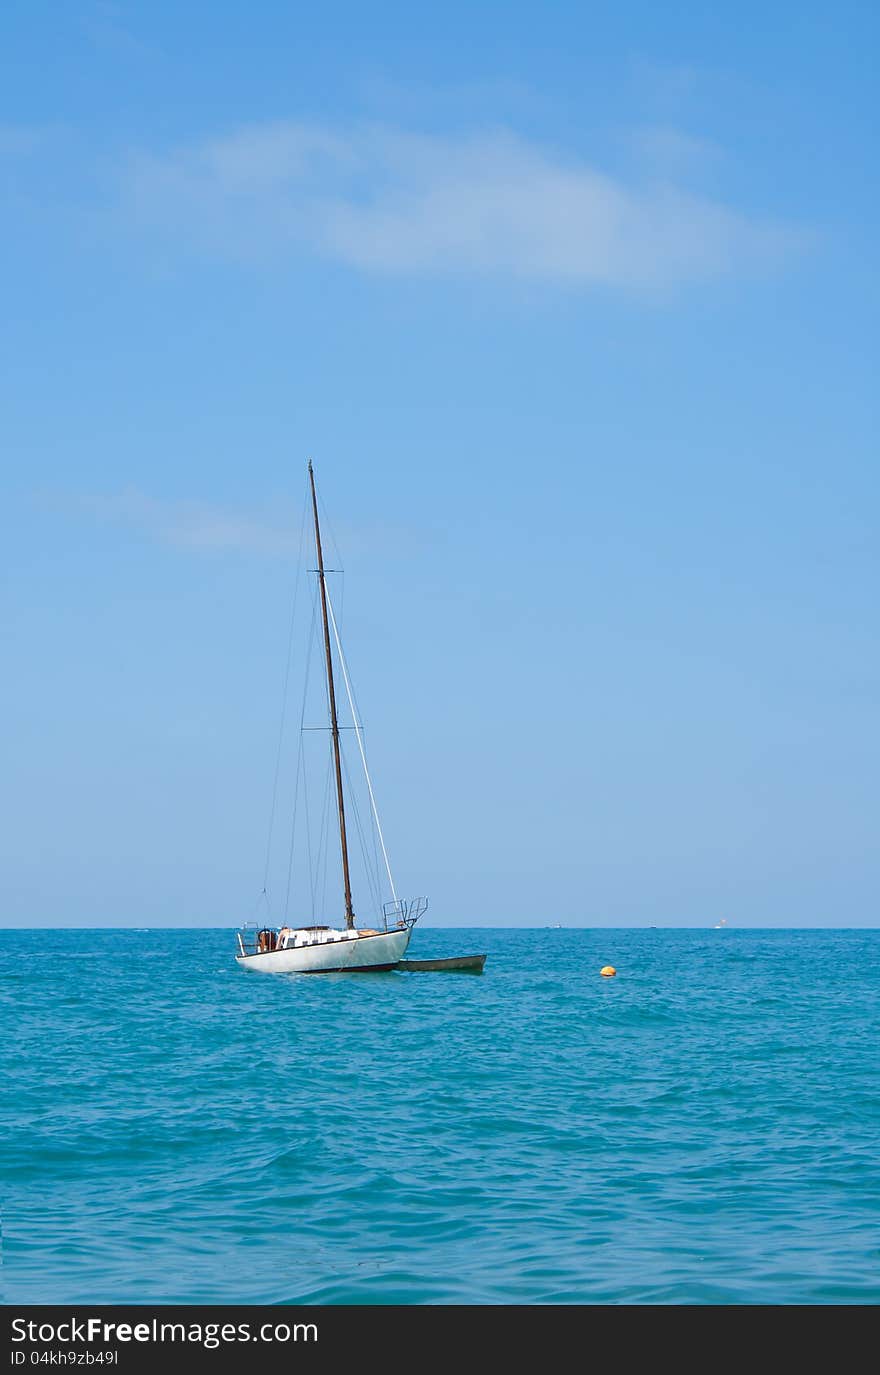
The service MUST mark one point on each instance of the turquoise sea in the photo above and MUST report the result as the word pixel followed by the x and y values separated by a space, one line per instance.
pixel 701 1129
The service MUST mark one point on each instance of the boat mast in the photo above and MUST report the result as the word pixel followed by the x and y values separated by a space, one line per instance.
pixel 334 724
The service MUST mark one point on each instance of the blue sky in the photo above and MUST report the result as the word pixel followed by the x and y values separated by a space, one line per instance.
pixel 575 311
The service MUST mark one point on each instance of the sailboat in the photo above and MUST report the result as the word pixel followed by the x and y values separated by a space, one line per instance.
pixel 322 949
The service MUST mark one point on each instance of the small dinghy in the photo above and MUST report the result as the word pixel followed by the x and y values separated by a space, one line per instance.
pixel 464 964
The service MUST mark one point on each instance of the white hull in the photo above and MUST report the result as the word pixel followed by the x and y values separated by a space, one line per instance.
pixel 337 952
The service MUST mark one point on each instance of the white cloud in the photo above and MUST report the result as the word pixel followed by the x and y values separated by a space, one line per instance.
pixel 670 152
pixel 203 528
pixel 189 525
pixel 18 140
pixel 387 201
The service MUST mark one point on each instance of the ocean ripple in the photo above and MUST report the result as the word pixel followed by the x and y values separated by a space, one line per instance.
pixel 700 1130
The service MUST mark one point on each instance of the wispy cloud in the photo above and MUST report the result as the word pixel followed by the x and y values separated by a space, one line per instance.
pixel 386 201
pixel 18 140
pixel 203 528
pixel 108 26
pixel 186 524
pixel 667 85
pixel 670 152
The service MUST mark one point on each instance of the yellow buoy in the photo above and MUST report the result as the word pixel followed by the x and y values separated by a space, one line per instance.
pixel 608 972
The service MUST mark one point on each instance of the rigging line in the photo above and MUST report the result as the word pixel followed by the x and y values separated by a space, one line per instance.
pixel 374 860
pixel 299 761
pixel 372 878
pixel 370 861
pixel 260 898
pixel 293 830
pixel 318 860
pixel 357 731
pixel 330 702
pixel 375 854
pixel 356 715
pixel 328 525
pixel 357 821
pixel 324 840
pixel 340 566
pixel 313 860
pixel 315 869
pixel 296 587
